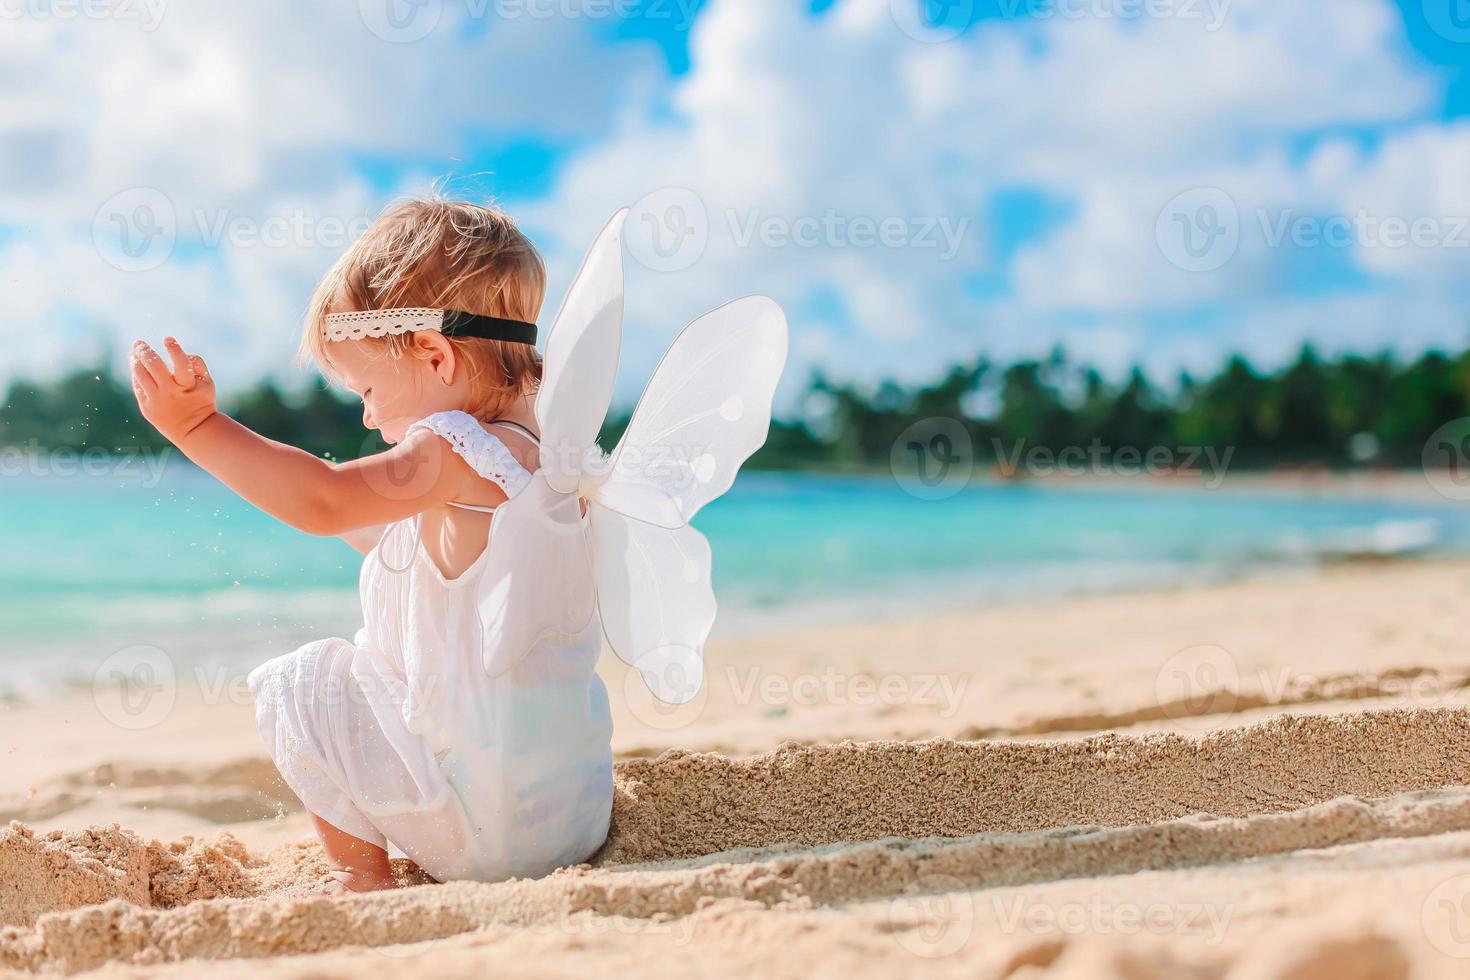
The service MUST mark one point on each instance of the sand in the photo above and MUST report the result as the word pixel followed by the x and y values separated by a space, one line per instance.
pixel 1256 780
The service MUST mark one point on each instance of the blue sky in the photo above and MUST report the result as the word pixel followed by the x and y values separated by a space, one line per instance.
pixel 1160 181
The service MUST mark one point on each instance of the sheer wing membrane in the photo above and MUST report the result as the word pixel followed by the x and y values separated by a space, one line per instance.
pixel 581 360
pixel 656 600
pixel 706 410
pixel 538 580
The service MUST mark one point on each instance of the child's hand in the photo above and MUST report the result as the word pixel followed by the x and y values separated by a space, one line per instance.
pixel 174 401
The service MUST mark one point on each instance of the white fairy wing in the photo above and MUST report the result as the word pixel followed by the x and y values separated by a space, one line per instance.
pixel 656 600
pixel 581 361
pixel 537 582
pixel 706 410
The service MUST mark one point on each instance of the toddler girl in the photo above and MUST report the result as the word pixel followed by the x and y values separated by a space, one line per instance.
pixel 464 725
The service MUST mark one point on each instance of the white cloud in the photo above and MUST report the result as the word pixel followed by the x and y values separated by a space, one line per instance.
pixel 248 117
pixel 1409 204
pixel 795 115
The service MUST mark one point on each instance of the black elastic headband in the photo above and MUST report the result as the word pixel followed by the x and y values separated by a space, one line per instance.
pixel 459 324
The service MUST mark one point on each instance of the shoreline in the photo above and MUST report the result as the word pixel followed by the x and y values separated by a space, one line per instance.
pixel 737 624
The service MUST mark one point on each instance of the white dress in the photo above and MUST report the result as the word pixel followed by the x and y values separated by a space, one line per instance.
pixel 404 739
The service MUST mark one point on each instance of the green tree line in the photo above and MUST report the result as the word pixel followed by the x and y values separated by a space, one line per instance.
pixel 1346 411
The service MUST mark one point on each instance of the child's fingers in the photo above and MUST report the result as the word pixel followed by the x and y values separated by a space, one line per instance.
pixel 143 383
pixel 148 358
pixel 201 370
pixel 183 366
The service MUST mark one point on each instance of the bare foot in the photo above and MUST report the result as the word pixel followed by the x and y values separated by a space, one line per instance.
pixel 343 882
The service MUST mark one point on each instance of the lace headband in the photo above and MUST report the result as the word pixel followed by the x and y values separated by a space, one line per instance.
pixel 451 323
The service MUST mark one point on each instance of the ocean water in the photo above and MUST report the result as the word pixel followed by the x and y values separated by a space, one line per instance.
pixel 95 564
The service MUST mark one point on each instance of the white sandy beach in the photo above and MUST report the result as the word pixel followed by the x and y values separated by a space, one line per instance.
pixel 1259 779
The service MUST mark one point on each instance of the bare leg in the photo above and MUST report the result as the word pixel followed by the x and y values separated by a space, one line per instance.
pixel 357 865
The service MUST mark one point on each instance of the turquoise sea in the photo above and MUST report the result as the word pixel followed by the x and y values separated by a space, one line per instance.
pixel 96 563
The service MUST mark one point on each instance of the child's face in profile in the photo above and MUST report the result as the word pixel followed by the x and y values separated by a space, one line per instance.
pixel 395 391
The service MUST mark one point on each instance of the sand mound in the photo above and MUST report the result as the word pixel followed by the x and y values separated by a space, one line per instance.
pixel 684 805
pixel 63 870
pixel 705 838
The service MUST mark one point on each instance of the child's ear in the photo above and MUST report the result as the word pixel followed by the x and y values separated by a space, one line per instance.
pixel 435 348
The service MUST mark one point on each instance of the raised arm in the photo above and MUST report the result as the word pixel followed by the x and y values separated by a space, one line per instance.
pixel 289 483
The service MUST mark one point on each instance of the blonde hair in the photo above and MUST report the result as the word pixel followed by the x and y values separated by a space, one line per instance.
pixel 443 254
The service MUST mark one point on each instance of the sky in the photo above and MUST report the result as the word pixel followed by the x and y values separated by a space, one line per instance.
pixel 915 181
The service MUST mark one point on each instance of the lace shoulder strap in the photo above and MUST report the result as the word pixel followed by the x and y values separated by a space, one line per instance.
pixel 485 453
